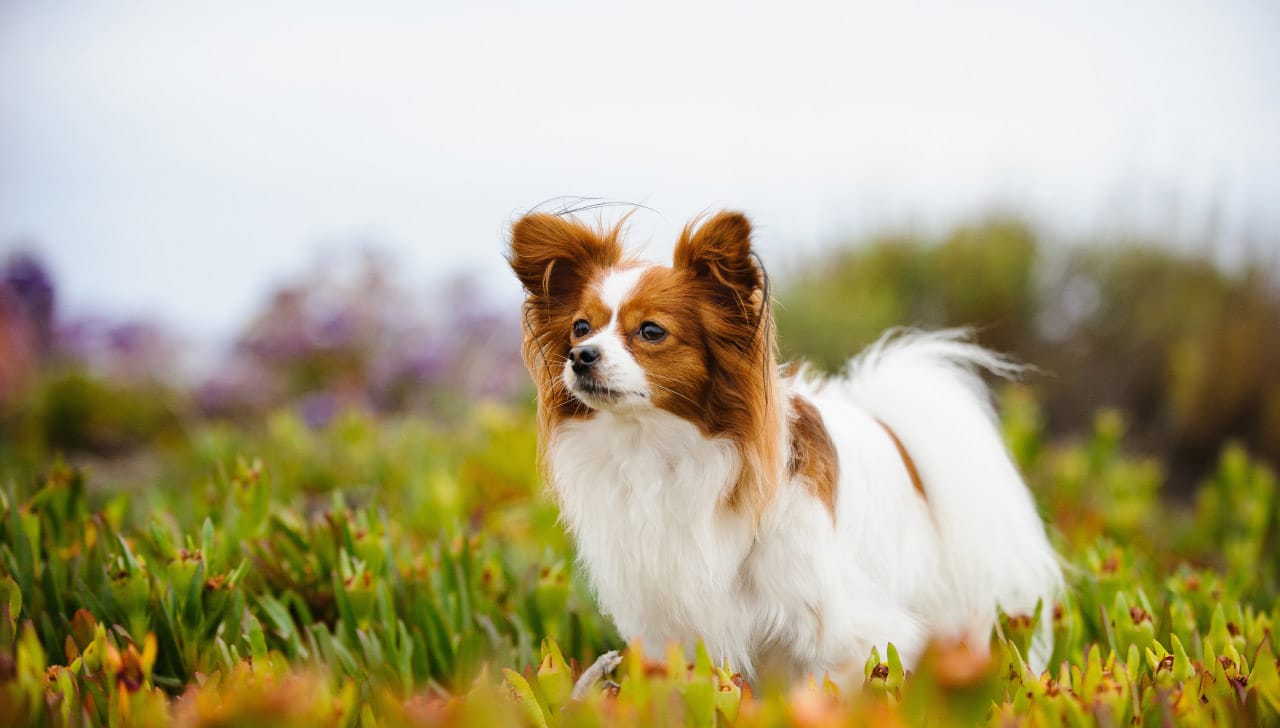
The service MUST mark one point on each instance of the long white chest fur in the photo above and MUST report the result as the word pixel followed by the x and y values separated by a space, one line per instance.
pixel 643 495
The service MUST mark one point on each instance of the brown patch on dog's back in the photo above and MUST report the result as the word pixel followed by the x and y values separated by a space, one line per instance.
pixel 906 460
pixel 813 454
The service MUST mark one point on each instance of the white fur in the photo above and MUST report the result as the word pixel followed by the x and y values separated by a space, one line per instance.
pixel 617 287
pixel 616 364
pixel 643 493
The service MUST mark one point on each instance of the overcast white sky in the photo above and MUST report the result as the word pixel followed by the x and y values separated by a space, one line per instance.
pixel 175 159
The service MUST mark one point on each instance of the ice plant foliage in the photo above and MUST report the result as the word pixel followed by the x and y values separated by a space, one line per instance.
pixel 374 572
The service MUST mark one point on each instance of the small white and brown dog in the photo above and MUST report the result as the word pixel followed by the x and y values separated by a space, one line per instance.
pixel 789 522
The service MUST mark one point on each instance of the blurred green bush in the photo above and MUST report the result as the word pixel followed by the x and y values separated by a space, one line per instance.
pixel 1190 352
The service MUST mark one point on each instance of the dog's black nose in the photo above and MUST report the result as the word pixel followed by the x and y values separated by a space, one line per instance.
pixel 583 357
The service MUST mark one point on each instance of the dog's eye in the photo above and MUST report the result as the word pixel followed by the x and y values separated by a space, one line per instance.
pixel 652 332
pixel 581 328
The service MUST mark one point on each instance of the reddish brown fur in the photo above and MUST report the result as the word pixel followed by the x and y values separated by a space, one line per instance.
pixel 906 460
pixel 717 366
pixel 726 286
pixel 677 367
pixel 813 454
pixel 555 259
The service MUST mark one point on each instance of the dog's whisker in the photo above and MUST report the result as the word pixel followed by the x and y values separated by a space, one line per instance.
pixel 674 392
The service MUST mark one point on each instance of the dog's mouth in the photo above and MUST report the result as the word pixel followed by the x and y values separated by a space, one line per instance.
pixel 596 390
pixel 596 394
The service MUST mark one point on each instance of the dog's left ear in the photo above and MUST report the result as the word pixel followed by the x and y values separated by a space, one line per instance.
pixel 719 252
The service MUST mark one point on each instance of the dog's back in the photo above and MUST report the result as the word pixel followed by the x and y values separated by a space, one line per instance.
pixel 993 551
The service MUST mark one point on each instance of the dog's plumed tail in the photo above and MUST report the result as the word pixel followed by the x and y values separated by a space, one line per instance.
pixel 926 388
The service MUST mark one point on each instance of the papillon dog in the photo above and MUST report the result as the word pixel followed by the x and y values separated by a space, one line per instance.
pixel 790 522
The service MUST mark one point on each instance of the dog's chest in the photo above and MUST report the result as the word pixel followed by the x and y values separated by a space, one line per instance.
pixel 643 497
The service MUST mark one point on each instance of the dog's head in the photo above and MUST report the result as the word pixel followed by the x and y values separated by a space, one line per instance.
pixel 605 332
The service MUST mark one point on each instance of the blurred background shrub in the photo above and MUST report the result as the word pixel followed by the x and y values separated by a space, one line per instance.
pixel 349 334
pixel 1187 350
pixel 345 335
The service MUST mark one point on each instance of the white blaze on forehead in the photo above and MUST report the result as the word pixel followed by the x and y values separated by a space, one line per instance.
pixel 616 369
pixel 617 287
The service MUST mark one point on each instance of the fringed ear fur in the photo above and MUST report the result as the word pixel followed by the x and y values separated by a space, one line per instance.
pixel 555 259
pixel 554 256
pixel 743 391
pixel 719 252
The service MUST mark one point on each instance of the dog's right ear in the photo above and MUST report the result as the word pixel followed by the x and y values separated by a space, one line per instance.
pixel 554 256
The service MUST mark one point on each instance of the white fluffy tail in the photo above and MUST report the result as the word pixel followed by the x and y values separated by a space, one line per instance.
pixel 927 389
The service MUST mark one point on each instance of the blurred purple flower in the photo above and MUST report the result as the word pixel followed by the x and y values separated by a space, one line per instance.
pixel 318 409
pixel 428 362
pixel 335 330
pixel 347 333
pixel 131 351
pixel 30 284
pixel 239 386
pixel 130 338
pixel 18 356
pixel 279 333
